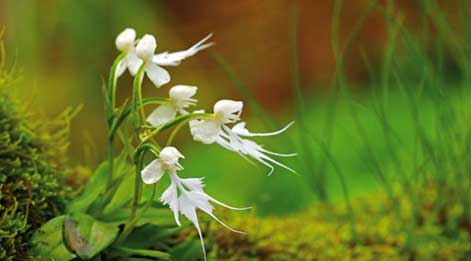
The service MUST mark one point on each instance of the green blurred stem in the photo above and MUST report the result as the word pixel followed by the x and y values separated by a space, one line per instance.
pixel 175 131
pixel 112 82
pixel 136 106
pixel 125 113
pixel 177 120
pixel 128 227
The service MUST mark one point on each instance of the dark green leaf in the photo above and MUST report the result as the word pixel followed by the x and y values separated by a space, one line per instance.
pixel 95 186
pixel 47 241
pixel 86 236
pixel 188 250
pixel 124 251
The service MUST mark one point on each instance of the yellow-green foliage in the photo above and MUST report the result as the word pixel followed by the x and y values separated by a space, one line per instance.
pixel 31 153
pixel 324 233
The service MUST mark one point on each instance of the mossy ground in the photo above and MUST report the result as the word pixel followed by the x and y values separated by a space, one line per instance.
pixel 442 232
pixel 32 156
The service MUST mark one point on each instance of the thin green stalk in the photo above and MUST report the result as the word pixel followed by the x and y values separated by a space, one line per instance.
pixel 343 184
pixel 174 121
pixel 112 82
pixel 175 131
pixel 137 108
pixel 318 182
pixel 244 90
pixel 128 227
pixel 127 111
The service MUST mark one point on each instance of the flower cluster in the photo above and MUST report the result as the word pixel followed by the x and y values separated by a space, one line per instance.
pixel 223 126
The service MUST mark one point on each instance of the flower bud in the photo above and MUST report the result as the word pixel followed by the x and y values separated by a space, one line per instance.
pixel 228 111
pixel 125 40
pixel 181 95
pixel 146 47
pixel 170 156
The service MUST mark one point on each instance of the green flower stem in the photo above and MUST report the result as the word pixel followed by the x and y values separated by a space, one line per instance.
pixel 177 120
pixel 175 131
pixel 112 82
pixel 138 185
pixel 136 106
pixel 126 111
pixel 128 227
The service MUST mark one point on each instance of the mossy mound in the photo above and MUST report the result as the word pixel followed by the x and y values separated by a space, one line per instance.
pixel 32 152
pixel 324 232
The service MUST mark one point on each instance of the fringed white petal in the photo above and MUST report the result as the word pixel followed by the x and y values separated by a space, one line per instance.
pixel 240 129
pixel 175 58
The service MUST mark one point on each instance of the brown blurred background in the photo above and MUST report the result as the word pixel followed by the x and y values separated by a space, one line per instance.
pixel 65 49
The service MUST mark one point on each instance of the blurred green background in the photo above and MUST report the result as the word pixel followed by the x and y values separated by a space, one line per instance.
pixel 65 48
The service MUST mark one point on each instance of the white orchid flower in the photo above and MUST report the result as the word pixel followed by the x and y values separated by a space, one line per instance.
pixel 180 98
pixel 145 50
pixel 184 195
pixel 215 130
pixel 125 43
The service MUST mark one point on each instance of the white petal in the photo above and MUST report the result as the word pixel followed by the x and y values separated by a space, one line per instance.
pixel 205 131
pixel 181 95
pixel 201 200
pixel 240 129
pixel 170 155
pixel 188 210
pixel 152 172
pixel 133 62
pixel 161 115
pixel 170 198
pixel 195 184
pixel 120 68
pixel 145 48
pixel 125 39
pixel 228 111
pixel 175 58
pixel 158 75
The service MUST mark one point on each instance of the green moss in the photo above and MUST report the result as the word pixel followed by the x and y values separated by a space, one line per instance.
pixel 32 152
pixel 323 233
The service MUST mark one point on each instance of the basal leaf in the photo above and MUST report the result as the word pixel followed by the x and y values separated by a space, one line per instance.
pixel 159 255
pixel 86 236
pixel 95 186
pixel 47 241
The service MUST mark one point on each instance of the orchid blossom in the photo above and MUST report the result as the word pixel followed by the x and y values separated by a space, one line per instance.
pixel 180 97
pixel 144 52
pixel 184 195
pixel 215 130
pixel 125 42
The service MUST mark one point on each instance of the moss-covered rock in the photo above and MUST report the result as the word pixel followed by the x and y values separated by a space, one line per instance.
pixel 32 152
pixel 383 232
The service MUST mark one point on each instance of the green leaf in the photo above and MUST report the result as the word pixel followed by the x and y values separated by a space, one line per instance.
pixel 95 186
pixel 188 250
pixel 156 216
pixel 153 234
pixel 47 241
pixel 86 236
pixel 124 251
pixel 122 196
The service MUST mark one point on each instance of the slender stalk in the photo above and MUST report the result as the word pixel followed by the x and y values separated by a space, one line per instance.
pixel 136 106
pixel 128 227
pixel 127 111
pixel 174 121
pixel 175 132
pixel 112 82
